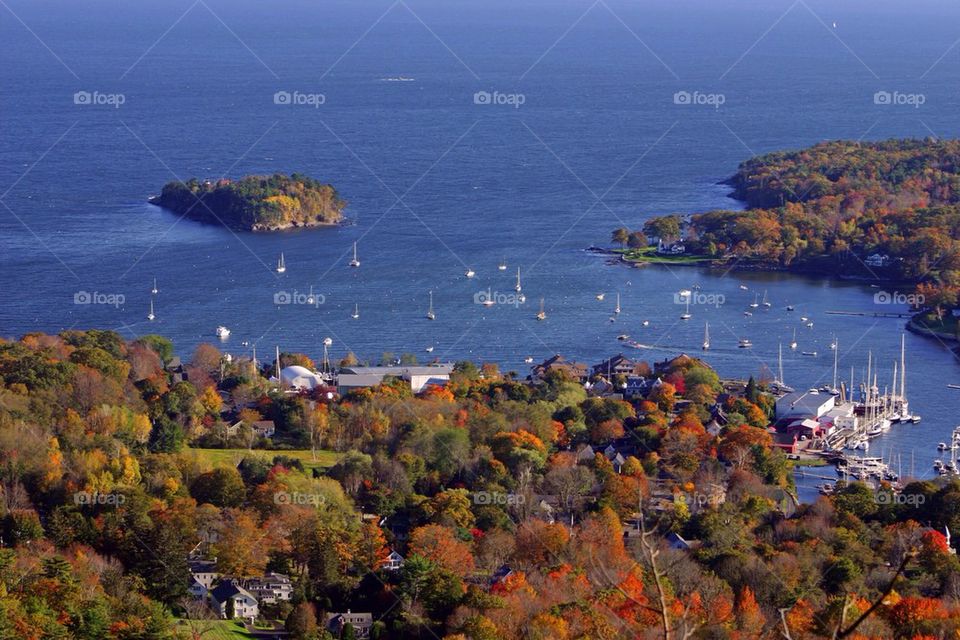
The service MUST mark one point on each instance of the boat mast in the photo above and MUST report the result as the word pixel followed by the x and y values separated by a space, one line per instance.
pixel 278 367
pixel 903 375
pixel 836 357
pixel 780 363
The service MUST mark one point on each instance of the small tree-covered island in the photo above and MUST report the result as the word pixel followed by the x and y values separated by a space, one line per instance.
pixel 255 203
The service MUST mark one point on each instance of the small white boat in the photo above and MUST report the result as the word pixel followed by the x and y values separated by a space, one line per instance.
pixel 151 316
pixel 154 291
pixel 803 318
pixel 942 447
pixel 281 265
pixel 764 302
pixel 812 354
pixel 623 337
pixel 706 336
pixel 488 302
pixel 809 325
pixel 503 265
pixel 429 349
pixel 686 314
pixel 356 311
pixel 222 332
pixel 744 287
pixel 747 313
pixel 355 262
pixel 528 359
pixel 430 314
pixel 517 286
pixel 600 296
pixel 833 344
pixel 914 419
pixel 793 343
pixel 616 309
pixel 755 303
pixel 542 315
pixel 744 343
pixel 469 272
pixel 790 307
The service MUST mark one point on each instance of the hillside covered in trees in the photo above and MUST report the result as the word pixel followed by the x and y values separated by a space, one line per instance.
pixel 255 203
pixel 511 514
pixel 829 208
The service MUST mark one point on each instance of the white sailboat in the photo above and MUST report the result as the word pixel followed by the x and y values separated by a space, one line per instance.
pixel 542 315
pixel 616 309
pixel 430 314
pixel 356 311
pixel 281 265
pixel 503 265
pixel 600 296
pixel 686 314
pixel 355 262
pixel 222 332
pixel 517 286
pixel 764 302
pixel 706 336
pixel 755 303
pixel 154 291
pixel 793 343
pixel 470 272
pixel 151 316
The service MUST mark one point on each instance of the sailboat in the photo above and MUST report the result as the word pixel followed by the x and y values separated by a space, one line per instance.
pixel 616 309
pixel 755 303
pixel 517 286
pixel 542 315
pixel 793 343
pixel 600 296
pixel 764 302
pixel 503 265
pixel 356 311
pixel 706 336
pixel 470 272
pixel 833 343
pixel 355 262
pixel 281 265
pixel 686 314
pixel 151 316
pixel 430 314
pixel 154 291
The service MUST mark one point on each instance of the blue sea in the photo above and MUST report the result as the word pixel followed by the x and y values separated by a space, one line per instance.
pixel 462 134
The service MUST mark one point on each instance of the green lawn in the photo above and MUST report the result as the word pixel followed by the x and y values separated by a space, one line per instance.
pixel 215 630
pixel 231 457
pixel 650 255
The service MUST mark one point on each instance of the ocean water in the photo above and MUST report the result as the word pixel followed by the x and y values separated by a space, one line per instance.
pixel 582 133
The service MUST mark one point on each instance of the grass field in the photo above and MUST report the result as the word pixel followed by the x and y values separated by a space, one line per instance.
pixel 649 255
pixel 231 457
pixel 216 630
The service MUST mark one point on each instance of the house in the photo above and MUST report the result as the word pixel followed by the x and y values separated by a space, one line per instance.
pixel 270 588
pixel 804 404
pixel 574 370
pixel 361 623
pixel 203 573
pixel 264 428
pixel 501 574
pixel 877 260
pixel 585 454
pixel 670 248
pixel 619 365
pixel 419 377
pixel 393 562
pixel 230 600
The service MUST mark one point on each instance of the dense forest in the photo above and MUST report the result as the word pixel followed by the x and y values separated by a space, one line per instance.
pixel 255 203
pixel 829 208
pixel 522 508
